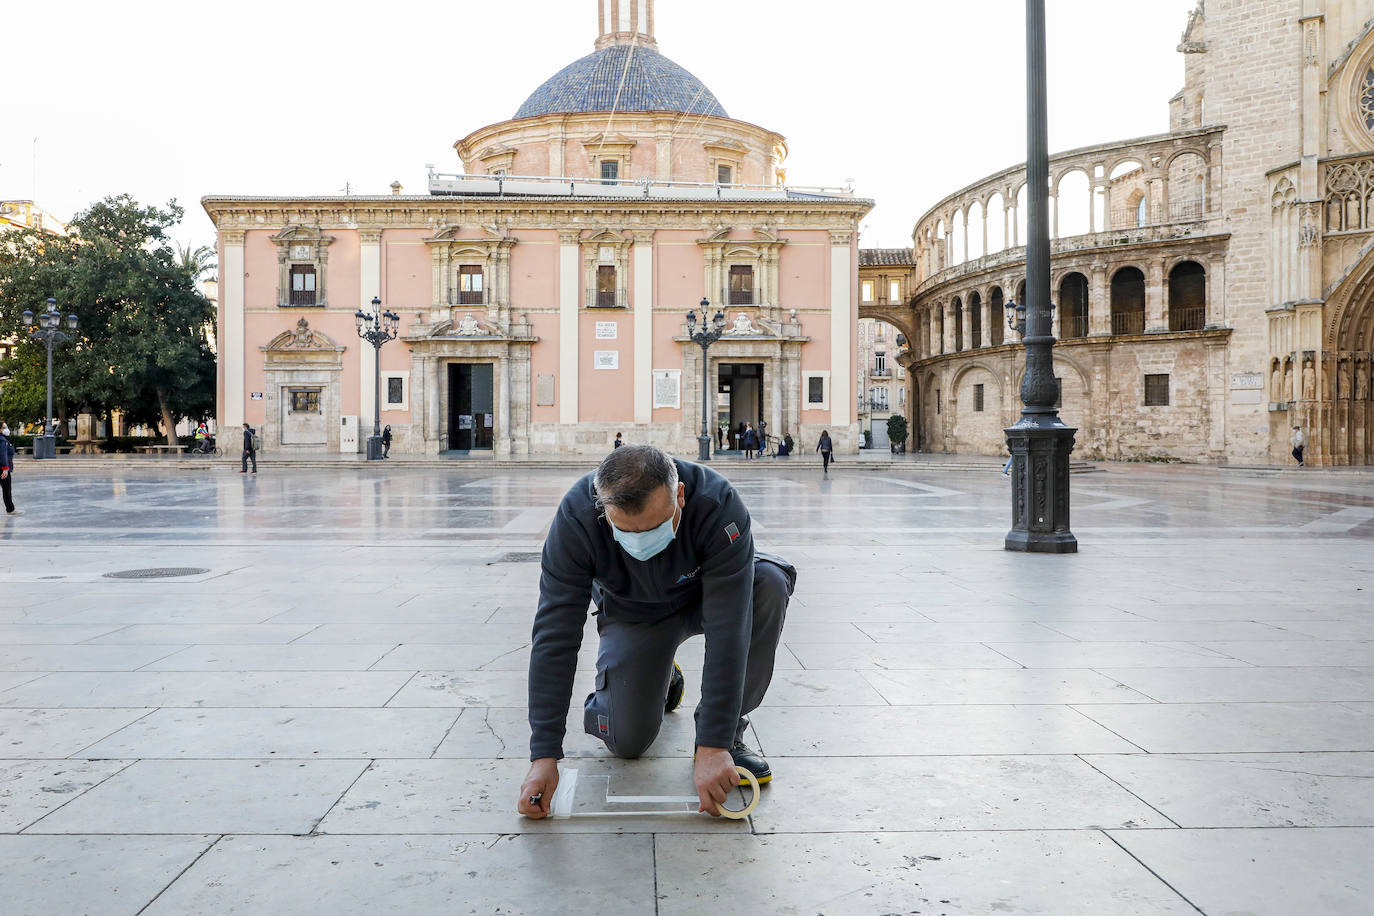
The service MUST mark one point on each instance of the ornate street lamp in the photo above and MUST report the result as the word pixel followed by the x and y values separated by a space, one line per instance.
pixel 377 328
pixel 1040 443
pixel 704 338
pixel 49 331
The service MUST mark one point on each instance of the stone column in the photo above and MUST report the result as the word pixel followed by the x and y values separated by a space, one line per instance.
pixel 843 291
pixel 1216 292
pixel 233 356
pixel 643 359
pixel 369 287
pixel 1099 301
pixel 569 275
pixel 948 337
pixel 1156 315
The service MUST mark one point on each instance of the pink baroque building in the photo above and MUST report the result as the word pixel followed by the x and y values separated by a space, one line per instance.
pixel 543 292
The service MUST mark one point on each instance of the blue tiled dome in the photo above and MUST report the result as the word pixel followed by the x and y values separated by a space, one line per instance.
pixel 653 83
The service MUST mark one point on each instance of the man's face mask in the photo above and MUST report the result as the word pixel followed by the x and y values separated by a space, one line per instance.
pixel 644 545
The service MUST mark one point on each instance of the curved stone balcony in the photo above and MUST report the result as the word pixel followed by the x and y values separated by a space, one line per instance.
pixel 1138 237
pixel 1139 244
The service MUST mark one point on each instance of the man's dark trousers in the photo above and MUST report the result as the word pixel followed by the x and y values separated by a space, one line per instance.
pixel 635 663
pixel 5 484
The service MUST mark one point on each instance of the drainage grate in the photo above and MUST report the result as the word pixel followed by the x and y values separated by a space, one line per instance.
pixel 516 558
pixel 160 572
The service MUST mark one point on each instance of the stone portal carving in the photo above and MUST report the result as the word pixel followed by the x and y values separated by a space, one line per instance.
pixel 1309 381
pixel 743 326
pixel 468 327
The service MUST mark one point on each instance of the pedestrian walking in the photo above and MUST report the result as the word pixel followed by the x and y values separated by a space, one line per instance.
pixel 618 442
pixel 386 442
pixel 827 450
pixel 724 432
pixel 7 473
pixel 750 441
pixel 250 452
pixel 1299 442
pixel 763 437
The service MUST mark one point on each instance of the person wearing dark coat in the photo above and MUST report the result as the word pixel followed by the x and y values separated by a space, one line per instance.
pixel 7 477
pixel 386 442
pixel 827 450
pixel 249 453
pixel 750 441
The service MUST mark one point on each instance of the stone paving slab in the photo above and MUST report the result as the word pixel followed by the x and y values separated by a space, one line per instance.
pixel 1264 872
pixel 1179 718
pixel 72 875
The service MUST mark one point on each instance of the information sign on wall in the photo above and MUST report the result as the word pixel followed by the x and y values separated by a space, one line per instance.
pixel 606 330
pixel 668 388
pixel 608 359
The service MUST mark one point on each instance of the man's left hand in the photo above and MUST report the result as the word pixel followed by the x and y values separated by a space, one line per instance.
pixel 716 777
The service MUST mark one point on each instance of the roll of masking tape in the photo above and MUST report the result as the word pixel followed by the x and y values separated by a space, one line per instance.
pixel 748 809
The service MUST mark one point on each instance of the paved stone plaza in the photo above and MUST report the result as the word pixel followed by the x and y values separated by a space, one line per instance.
pixel 1178 719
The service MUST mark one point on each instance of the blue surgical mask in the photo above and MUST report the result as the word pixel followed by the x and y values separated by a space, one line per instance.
pixel 645 545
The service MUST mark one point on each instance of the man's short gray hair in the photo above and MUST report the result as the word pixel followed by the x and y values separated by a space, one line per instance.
pixel 631 475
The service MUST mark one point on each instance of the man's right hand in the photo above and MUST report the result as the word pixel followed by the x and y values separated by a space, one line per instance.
pixel 542 779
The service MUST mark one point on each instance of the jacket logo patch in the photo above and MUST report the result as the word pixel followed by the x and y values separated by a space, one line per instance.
pixel 732 532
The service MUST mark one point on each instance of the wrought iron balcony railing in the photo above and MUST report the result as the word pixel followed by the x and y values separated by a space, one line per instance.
pixel 607 299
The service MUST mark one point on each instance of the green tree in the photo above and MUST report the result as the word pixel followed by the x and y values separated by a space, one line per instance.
pixel 143 341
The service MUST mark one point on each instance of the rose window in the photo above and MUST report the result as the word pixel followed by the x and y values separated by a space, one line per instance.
pixel 1367 100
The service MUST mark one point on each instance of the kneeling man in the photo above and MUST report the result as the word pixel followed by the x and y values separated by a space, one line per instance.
pixel 664 550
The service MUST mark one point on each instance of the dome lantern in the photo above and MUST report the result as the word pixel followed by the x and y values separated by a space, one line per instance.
pixel 624 22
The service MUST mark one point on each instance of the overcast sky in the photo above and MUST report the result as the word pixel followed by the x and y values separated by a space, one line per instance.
pixel 911 99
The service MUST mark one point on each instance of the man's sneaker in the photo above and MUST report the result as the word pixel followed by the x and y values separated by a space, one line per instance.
pixel 751 760
pixel 16 513
pixel 676 685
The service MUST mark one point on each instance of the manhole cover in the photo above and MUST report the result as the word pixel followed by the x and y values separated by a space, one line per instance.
pixel 516 558
pixel 161 572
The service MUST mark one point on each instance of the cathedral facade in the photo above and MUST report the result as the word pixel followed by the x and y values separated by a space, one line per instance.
pixel 1214 286
pixel 542 293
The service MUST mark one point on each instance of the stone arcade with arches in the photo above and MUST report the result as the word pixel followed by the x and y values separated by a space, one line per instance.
pixel 1214 285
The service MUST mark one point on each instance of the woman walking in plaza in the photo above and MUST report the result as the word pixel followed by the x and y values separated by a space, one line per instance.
pixel 826 448
pixel 750 441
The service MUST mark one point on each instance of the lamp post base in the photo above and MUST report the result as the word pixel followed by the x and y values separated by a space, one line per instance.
pixel 374 448
pixel 44 447
pixel 703 447
pixel 1040 449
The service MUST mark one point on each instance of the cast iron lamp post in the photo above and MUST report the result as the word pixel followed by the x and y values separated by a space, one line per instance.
pixel 49 331
pixel 377 328
pixel 704 338
pixel 1040 443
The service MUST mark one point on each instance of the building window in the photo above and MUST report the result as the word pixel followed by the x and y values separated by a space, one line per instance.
pixel 1156 391
pixel 470 284
pixel 1142 213
pixel 741 284
pixel 303 284
pixel 901 397
pixel 724 174
pixel 1058 393
pixel 977 398
pixel 878 332
pixel 880 364
pixel 894 291
pixel 305 400
pixel 395 391
pixel 867 291
pixel 939 405
pixel 610 171
pixel 815 390
pixel 605 286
